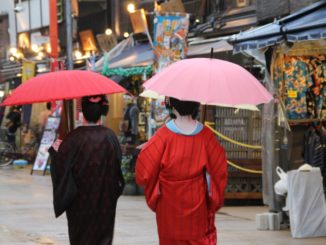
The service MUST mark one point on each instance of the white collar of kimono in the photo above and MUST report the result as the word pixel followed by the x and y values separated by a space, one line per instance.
pixel 91 124
pixel 173 127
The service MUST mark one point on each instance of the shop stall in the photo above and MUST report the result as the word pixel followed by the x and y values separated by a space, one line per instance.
pixel 294 52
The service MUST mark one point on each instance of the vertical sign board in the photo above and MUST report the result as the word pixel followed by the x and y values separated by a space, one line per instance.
pixel 170 34
pixel 88 40
pixel 106 42
pixel 170 45
pixel 48 137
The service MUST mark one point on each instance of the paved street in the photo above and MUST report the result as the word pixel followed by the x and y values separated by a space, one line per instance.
pixel 26 217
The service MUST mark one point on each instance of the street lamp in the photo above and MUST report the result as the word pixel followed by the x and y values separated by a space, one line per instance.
pixel 108 31
pixel 131 7
pixel 125 34
pixel 78 54
pixel 13 51
pixel 35 48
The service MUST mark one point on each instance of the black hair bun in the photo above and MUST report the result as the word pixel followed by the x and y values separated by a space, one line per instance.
pixel 94 106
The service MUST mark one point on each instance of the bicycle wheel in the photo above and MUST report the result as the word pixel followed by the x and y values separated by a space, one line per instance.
pixel 5 159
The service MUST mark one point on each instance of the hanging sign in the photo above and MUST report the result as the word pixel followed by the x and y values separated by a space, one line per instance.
pixel 170 33
pixel 88 40
pixel 49 136
pixel 106 42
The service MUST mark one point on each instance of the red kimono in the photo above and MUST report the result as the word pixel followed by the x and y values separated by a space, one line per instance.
pixel 172 168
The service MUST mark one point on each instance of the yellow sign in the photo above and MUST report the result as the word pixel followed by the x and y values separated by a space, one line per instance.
pixel 139 21
pixel 292 94
pixel 88 40
pixel 28 70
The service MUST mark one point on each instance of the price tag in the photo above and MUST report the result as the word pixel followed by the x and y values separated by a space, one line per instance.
pixel 292 94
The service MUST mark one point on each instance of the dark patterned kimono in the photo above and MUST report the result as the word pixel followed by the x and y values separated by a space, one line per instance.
pixel 87 182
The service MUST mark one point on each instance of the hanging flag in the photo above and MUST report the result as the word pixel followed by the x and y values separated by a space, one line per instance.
pixel 28 72
pixel 170 33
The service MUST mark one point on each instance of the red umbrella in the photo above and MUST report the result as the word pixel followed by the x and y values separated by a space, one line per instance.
pixel 62 85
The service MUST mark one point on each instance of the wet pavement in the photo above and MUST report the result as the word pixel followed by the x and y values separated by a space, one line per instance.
pixel 26 217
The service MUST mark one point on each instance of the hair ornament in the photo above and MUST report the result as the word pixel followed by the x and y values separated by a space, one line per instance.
pixel 95 99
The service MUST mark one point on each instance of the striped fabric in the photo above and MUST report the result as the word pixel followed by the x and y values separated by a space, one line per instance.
pixel 172 168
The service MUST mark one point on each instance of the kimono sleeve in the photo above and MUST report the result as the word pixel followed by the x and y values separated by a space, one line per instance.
pixel 61 160
pixel 64 187
pixel 217 170
pixel 148 168
pixel 117 175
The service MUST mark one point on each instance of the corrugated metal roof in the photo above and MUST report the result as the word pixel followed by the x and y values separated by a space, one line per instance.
pixel 139 55
pixel 9 71
pixel 306 24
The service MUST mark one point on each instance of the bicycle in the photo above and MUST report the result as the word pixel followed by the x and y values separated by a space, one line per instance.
pixel 5 150
pixel 8 153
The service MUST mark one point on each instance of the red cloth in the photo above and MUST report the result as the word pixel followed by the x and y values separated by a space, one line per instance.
pixel 171 167
pixel 208 239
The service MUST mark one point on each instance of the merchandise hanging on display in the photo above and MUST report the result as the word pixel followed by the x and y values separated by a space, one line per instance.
pixel 299 74
pixel 302 85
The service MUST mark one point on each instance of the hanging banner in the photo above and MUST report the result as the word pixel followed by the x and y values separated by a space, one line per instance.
pixel 172 6
pixel 139 21
pixel 88 40
pixel 170 33
pixel 29 69
pixel 48 137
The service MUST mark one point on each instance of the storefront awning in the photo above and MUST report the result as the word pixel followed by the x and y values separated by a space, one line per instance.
pixel 139 55
pixel 205 46
pixel 306 24
pixel 9 71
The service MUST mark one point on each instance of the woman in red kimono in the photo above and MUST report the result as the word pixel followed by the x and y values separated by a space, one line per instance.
pixel 87 178
pixel 184 171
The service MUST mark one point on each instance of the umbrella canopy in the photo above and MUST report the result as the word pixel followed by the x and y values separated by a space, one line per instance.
pixel 208 81
pixel 61 85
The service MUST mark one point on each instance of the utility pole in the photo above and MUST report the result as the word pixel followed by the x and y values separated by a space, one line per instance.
pixel 70 64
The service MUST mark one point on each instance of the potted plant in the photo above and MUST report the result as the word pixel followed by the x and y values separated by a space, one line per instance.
pixel 129 176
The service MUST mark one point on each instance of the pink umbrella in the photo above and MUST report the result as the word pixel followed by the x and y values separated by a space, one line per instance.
pixel 209 81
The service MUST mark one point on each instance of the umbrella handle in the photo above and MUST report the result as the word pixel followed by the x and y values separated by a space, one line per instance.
pixel 64 123
pixel 203 114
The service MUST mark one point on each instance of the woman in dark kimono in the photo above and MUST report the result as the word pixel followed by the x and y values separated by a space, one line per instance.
pixel 86 176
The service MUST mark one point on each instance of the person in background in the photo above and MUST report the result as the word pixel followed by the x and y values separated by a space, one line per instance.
pixel 184 171
pixel 13 122
pixel 87 178
pixel 131 118
pixel 2 109
pixel 43 117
